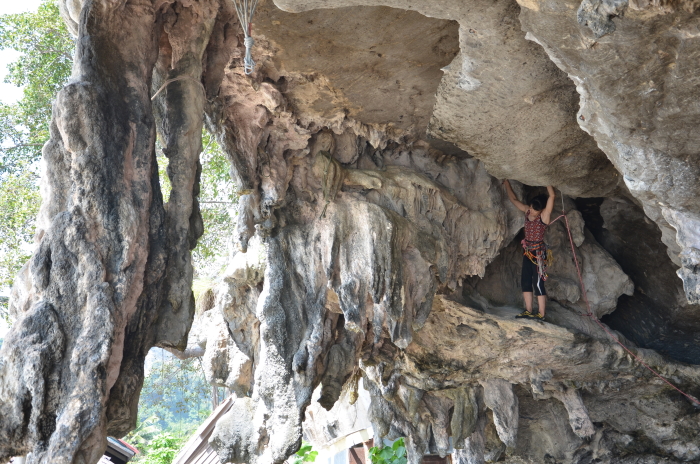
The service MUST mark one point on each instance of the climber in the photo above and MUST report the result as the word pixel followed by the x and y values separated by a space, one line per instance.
pixel 537 217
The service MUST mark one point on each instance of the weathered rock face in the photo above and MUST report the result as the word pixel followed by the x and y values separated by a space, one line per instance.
pixel 636 104
pixel 88 304
pixel 657 315
pixel 91 264
pixel 375 241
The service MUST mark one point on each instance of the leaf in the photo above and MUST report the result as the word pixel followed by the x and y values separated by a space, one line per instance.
pixel 400 451
pixel 386 453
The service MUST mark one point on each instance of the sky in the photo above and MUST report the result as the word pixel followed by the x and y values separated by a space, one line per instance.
pixel 9 93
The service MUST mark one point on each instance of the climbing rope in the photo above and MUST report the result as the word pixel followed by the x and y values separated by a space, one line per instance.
pixel 245 10
pixel 602 326
pixel 178 78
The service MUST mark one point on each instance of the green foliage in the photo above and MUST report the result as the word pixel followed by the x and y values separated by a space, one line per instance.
pixel 165 186
pixel 42 69
pixel 217 198
pixel 176 392
pixel 305 454
pixel 175 400
pixel 144 432
pixel 394 454
pixel 19 197
pixel 162 449
pixel 19 205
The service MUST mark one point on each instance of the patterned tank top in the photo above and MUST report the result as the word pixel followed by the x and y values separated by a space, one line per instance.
pixel 534 230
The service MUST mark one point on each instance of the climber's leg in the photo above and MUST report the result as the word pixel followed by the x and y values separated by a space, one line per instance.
pixel 541 294
pixel 526 284
pixel 542 303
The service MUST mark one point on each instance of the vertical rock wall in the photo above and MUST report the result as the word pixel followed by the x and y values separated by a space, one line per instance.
pixel 87 273
pixel 111 274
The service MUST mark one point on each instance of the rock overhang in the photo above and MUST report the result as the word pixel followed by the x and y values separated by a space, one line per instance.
pixel 419 217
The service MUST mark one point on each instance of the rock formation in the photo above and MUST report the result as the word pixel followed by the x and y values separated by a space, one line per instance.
pixel 376 240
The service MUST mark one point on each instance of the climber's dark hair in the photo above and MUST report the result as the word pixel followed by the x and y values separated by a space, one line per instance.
pixel 539 202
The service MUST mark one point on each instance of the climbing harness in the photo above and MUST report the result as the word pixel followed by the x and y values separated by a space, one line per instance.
pixel 245 10
pixel 536 250
pixel 541 256
pixel 602 326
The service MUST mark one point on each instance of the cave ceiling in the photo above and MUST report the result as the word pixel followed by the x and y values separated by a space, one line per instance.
pixel 390 67
pixel 373 236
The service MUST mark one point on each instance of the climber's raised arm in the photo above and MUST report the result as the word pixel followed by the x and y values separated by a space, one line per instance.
pixel 513 199
pixel 547 212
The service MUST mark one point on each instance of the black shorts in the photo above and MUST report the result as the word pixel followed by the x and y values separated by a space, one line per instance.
pixel 530 278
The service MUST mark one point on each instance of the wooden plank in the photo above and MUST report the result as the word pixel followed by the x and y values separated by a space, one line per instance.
pixel 197 445
pixel 355 457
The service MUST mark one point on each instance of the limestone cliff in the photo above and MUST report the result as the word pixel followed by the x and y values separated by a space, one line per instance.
pixel 376 240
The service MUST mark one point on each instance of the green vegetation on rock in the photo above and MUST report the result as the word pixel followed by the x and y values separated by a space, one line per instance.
pixel 305 454
pixel 394 454
pixel 175 400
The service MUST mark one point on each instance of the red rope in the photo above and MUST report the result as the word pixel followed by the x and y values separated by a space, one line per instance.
pixel 557 218
pixel 578 269
pixel 602 326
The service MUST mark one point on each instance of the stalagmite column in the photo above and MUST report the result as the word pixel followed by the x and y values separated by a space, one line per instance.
pixel 179 107
pixel 63 354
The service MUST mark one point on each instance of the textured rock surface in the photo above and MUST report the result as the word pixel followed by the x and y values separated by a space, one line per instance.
pixel 527 101
pixel 91 262
pixel 88 302
pixel 657 315
pixel 376 240
pixel 635 101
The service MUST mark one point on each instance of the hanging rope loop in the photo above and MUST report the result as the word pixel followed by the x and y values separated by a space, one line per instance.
pixel 245 9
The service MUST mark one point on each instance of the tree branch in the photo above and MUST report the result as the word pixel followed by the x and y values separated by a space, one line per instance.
pixel 21 145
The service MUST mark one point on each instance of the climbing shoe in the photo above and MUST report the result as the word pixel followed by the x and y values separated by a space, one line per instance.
pixel 524 314
pixel 537 316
